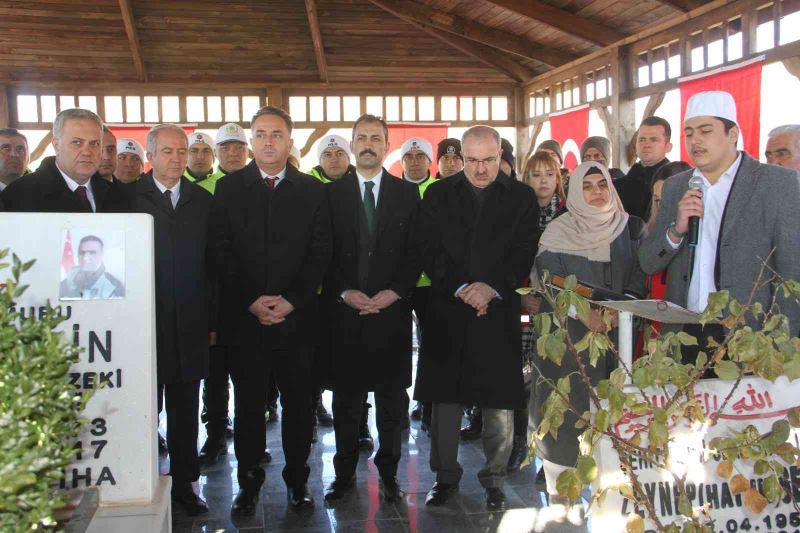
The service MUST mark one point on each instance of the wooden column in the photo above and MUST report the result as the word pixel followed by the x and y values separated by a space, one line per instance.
pixel 622 120
pixel 520 123
pixel 4 114
pixel 275 98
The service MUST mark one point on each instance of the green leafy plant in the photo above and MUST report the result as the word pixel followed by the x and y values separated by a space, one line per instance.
pixel 768 352
pixel 39 409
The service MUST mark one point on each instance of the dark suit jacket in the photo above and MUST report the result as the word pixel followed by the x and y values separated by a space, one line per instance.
pixel 375 349
pixel 46 191
pixel 469 359
pixel 760 221
pixel 182 262
pixel 270 242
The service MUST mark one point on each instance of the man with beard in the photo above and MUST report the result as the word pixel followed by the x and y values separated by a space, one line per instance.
pixel 89 280
pixel 273 244
pixel 200 165
pixel 130 160
pixel 69 183
pixel 108 159
pixel 477 232
pixel 448 157
pixel 13 156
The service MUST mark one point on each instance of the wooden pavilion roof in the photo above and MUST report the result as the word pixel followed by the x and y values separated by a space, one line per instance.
pixel 311 41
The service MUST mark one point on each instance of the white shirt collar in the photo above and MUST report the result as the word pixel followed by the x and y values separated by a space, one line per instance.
pixel 73 186
pixel 279 176
pixel 175 190
pixel 727 176
pixel 376 183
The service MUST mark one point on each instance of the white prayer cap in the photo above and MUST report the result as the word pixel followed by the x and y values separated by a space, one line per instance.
pixel 198 137
pixel 130 146
pixel 231 132
pixel 333 141
pixel 419 144
pixel 711 104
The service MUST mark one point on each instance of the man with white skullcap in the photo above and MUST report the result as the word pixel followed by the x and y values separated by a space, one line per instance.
pixel 746 215
pixel 416 156
pixel 200 165
pixel 333 152
pixel 130 160
pixel 231 148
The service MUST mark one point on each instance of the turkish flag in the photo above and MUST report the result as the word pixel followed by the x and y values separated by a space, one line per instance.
pixel 67 257
pixel 139 134
pixel 743 82
pixel 400 133
pixel 570 129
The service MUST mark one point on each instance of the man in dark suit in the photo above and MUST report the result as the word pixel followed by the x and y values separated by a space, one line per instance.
pixel 477 232
pixel 181 214
pixel 368 299
pixel 273 242
pixel 69 183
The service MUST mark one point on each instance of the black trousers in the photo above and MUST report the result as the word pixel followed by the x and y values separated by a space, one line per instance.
pixel 292 371
pixel 348 406
pixel 215 392
pixel 182 401
pixel 419 303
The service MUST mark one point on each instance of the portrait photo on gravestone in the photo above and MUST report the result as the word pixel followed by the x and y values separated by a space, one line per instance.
pixel 92 264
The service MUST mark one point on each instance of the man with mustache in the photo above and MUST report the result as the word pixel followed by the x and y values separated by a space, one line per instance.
pixel 477 232
pixel 748 215
pixel 108 158
pixel 89 280
pixel 69 183
pixel 368 298
pixel 273 244
pixel 130 160
pixel 13 156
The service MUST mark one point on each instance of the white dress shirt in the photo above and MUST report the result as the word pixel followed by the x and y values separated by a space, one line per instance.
pixel 73 186
pixel 175 190
pixel 375 189
pixel 278 177
pixel 705 256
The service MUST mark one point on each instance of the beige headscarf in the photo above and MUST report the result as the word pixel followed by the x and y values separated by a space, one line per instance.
pixel 586 230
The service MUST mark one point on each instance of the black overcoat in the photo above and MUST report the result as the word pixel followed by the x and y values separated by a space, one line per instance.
pixel 375 349
pixel 469 359
pixel 270 242
pixel 183 271
pixel 45 191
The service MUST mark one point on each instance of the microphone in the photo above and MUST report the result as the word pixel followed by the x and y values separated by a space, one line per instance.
pixel 696 183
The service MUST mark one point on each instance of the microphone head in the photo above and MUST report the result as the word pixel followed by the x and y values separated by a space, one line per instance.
pixel 697 183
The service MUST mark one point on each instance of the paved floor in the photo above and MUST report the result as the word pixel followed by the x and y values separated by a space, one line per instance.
pixel 364 510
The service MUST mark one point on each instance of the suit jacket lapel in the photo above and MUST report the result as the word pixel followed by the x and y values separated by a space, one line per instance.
pixel 744 185
pixel 384 202
pixel 56 190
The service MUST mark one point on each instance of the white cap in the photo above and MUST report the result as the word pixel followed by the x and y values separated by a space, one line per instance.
pixel 130 146
pixel 711 104
pixel 333 141
pixel 295 152
pixel 231 132
pixel 419 144
pixel 198 137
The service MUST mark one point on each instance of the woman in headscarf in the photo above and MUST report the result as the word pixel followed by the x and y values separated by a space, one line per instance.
pixel 596 241
pixel 598 149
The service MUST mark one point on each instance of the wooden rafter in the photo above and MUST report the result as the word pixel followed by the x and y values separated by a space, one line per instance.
pixel 562 20
pixel 498 39
pixel 316 38
pixel 683 6
pixel 133 38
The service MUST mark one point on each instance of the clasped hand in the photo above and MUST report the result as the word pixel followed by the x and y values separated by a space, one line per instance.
pixel 366 305
pixel 270 310
pixel 477 295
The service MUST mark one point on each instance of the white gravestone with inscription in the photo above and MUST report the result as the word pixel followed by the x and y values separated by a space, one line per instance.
pixel 99 269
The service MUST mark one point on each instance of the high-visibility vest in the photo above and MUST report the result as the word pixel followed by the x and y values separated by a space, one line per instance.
pixel 209 183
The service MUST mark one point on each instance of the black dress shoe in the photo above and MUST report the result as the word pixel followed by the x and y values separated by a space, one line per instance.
pixel 213 449
pixel 391 489
pixel 266 459
pixel 495 499
pixel 228 429
pixel 183 494
pixel 440 493
pixel 299 497
pixel 519 452
pixel 162 445
pixel 365 441
pixel 338 488
pixel 324 418
pixel 245 502
pixel 474 428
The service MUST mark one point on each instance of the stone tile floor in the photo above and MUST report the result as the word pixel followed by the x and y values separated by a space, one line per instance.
pixel 364 510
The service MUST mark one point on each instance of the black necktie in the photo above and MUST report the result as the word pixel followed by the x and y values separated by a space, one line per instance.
pixel 83 198
pixel 369 205
pixel 168 197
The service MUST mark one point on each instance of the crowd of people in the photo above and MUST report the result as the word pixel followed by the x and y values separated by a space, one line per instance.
pixel 293 283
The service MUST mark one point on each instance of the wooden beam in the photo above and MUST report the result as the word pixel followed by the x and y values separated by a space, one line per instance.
pixel 42 146
pixel 5 115
pixel 622 121
pixel 316 38
pixel 498 39
pixel 316 135
pixel 133 38
pixel 559 19
pixel 684 6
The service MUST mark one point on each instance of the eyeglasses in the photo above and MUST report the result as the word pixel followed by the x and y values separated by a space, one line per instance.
pixel 477 162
